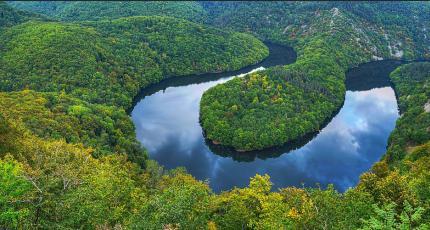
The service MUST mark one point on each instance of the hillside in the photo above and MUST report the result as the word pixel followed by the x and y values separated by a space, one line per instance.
pixel 98 64
pixel 69 158
pixel 281 105
pixel 80 78
pixel 10 16
pixel 384 29
pixel 63 182
pixel 106 129
pixel 411 83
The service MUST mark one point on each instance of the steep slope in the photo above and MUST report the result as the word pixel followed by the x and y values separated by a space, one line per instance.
pixel 86 75
pixel 51 184
pixel 184 47
pixel 10 16
pixel 412 129
pixel 273 107
pixel 106 129
pixel 396 29
pixel 108 62
pixel 384 30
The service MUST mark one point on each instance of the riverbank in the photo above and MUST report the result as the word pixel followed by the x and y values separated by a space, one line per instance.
pixel 167 123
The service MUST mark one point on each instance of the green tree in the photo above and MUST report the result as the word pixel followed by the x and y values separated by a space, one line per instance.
pixel 386 218
pixel 15 194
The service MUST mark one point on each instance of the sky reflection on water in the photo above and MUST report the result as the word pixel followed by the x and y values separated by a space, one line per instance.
pixel 167 124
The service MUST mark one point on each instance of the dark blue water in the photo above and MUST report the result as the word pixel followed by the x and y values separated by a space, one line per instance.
pixel 167 124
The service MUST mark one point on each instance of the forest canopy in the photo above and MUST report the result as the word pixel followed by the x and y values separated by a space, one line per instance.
pixel 68 154
pixel 279 105
pixel 109 62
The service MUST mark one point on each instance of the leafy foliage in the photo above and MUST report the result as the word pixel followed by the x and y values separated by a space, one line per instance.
pixel 56 170
pixel 385 218
pixel 412 85
pixel 15 192
pixel 90 72
pixel 271 107
pixel 107 129
pixel 109 62
pixel 378 29
pixel 275 106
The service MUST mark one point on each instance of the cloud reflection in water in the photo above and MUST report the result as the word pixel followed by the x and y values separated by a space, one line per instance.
pixel 167 125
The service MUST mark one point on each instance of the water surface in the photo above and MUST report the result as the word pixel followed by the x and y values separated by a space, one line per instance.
pixel 167 124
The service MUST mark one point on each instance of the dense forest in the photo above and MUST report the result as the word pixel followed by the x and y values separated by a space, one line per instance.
pixel 280 104
pixel 68 154
pixel 412 84
pixel 89 73
pixel 98 63
pixel 247 115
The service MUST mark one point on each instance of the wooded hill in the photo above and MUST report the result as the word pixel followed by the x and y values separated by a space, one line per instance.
pixel 66 85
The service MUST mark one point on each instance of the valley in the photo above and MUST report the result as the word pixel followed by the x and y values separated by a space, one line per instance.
pixel 214 115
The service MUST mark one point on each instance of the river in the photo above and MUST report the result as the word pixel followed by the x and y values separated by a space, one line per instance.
pixel 166 117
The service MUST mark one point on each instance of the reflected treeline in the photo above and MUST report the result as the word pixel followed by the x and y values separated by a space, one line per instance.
pixel 274 152
pixel 366 76
pixel 250 156
pixel 375 74
pixel 279 55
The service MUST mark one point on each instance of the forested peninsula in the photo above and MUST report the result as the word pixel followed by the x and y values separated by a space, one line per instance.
pixel 278 105
pixel 69 158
